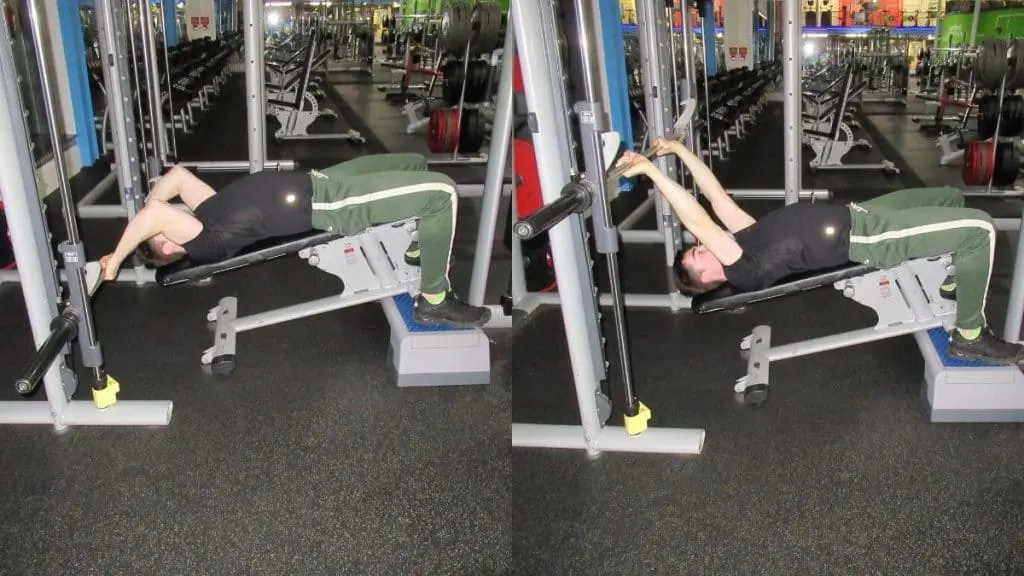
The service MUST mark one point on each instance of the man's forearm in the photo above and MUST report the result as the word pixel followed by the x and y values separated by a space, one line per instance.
pixel 686 207
pixel 140 228
pixel 166 188
pixel 728 211
pixel 706 181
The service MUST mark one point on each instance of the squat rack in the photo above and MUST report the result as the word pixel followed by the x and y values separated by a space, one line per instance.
pixel 55 323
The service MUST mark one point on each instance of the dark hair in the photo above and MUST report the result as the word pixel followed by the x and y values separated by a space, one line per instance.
pixel 687 283
pixel 153 258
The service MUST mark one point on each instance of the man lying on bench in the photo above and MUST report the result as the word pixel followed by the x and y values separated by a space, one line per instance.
pixel 883 232
pixel 346 198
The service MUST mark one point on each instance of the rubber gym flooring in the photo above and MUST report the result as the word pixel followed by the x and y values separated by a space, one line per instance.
pixel 308 460
pixel 839 473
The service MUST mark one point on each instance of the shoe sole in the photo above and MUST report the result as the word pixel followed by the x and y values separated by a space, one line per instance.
pixel 432 322
pixel 976 358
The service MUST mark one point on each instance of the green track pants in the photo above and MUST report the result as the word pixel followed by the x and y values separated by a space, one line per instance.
pixel 382 188
pixel 926 222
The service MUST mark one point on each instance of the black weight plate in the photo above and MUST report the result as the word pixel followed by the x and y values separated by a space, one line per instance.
pixel 474 87
pixel 452 85
pixel 473 132
pixel 987 116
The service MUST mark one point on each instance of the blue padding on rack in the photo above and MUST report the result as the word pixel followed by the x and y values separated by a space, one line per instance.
pixel 407 308
pixel 170 23
pixel 78 80
pixel 940 340
pixel 708 31
pixel 618 88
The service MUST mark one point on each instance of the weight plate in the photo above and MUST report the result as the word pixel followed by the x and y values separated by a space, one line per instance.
pixel 486 27
pixel 969 167
pixel 474 131
pixel 452 85
pixel 437 130
pixel 456 28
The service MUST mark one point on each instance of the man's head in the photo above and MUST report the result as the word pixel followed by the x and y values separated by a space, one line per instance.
pixel 697 270
pixel 159 251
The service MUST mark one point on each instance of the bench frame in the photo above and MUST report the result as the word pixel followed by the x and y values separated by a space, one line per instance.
pixel 905 298
pixel 371 265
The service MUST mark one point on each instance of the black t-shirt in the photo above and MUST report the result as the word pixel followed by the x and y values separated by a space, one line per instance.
pixel 253 208
pixel 801 237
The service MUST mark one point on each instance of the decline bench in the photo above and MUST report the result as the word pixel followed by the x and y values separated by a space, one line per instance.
pixel 906 300
pixel 372 268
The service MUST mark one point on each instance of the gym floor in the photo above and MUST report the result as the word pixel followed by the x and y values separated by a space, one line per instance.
pixel 307 460
pixel 839 473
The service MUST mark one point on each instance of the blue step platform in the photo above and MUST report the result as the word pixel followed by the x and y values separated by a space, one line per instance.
pixel 430 355
pixel 967 391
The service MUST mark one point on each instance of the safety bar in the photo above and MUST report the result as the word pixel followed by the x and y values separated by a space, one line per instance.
pixel 575 198
pixel 62 330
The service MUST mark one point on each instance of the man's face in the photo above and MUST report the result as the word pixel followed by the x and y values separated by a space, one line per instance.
pixel 699 262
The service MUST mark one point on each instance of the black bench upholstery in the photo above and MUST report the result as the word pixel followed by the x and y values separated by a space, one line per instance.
pixel 187 270
pixel 728 297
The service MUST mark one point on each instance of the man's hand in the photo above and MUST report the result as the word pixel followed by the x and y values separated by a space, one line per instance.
pixel 663 146
pixel 633 164
pixel 110 267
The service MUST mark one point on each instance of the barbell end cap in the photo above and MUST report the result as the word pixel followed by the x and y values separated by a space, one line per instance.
pixel 523 230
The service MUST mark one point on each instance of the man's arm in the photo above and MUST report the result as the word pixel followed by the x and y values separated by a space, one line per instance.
pixel 695 219
pixel 180 182
pixel 734 217
pixel 156 218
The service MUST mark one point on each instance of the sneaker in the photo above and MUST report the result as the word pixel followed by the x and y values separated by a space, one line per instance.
pixel 451 312
pixel 412 254
pixel 947 290
pixel 987 347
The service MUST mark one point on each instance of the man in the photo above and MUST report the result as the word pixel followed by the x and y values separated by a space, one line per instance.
pixel 802 237
pixel 346 198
